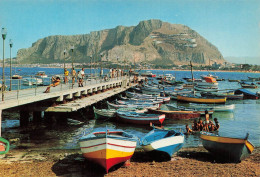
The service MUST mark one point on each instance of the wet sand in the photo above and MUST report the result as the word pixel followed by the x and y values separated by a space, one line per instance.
pixel 187 162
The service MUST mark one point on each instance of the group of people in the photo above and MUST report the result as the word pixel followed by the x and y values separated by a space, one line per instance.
pixel 76 76
pixel 207 125
pixel 113 72
pixel 79 76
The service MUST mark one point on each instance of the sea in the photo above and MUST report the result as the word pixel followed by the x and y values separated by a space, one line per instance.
pixel 244 119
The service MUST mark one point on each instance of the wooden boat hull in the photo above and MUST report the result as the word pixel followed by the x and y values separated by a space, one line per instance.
pixel 176 114
pixel 247 94
pixel 4 146
pixel 229 149
pixel 104 113
pixel 249 86
pixel 216 108
pixel 201 100
pixel 145 120
pixel 172 107
pixel 166 144
pixel 108 151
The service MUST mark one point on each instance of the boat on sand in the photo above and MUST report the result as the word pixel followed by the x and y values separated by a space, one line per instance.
pixel 108 148
pixel 227 148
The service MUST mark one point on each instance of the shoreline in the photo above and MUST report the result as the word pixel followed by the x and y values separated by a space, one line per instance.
pixel 238 71
pixel 187 162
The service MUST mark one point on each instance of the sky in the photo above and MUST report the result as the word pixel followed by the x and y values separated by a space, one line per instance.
pixel 233 26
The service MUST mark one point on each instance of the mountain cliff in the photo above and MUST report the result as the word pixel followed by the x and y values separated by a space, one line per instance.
pixel 151 41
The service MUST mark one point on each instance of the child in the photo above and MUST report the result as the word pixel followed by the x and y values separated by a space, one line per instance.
pixel 195 125
pixel 188 129
pixel 217 124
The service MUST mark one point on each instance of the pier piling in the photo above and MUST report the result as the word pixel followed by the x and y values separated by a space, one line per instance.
pixel 24 118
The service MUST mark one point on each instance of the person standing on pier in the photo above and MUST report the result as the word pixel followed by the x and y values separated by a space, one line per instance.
pixel 66 75
pixel 81 74
pixel 73 73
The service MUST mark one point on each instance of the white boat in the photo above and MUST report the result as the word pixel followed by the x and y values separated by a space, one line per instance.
pixel 206 89
pixel 41 74
pixel 108 148
pixel 216 108
pixel 32 81
pixel 162 142
pixel 169 77
pixel 104 113
pixel 118 106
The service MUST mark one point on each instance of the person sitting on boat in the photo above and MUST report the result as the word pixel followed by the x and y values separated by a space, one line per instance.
pixel 211 126
pixel 195 126
pixel 217 124
pixel 200 125
pixel 188 130
pixel 55 82
pixel 206 127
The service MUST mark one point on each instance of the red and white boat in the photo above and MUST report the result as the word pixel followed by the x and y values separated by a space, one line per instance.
pixel 108 148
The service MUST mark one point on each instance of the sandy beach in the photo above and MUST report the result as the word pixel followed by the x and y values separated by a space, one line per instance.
pixel 187 162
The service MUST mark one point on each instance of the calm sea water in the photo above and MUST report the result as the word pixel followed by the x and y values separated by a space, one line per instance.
pixel 244 119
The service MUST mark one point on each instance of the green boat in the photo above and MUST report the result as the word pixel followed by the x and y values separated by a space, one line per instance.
pixel 227 148
pixel 4 146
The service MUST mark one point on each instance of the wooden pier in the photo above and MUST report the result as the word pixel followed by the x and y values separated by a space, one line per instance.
pixel 62 98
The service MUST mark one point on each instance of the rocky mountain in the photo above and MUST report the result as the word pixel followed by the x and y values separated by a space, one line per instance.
pixel 151 41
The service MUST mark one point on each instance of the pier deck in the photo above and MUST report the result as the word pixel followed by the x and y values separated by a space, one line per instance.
pixel 61 92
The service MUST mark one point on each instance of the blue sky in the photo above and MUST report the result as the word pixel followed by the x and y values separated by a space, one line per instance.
pixel 233 26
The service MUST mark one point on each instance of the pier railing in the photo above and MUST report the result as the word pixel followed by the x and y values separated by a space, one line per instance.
pixel 32 86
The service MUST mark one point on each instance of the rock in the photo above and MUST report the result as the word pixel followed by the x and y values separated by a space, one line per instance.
pixel 152 41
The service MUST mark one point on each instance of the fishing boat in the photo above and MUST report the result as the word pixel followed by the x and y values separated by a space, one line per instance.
pixel 108 148
pixel 41 74
pixel 198 99
pixel 233 80
pixel 104 113
pixel 139 96
pixel 4 146
pixel 209 75
pixel 140 118
pixel 216 108
pixel 162 142
pixel 206 89
pixel 253 78
pixel 247 94
pixel 175 107
pixel 153 102
pixel 148 74
pixel 228 95
pixel 16 76
pixel 248 85
pixel 176 114
pixel 208 82
pixel 32 81
pixel 227 148
pixel 117 106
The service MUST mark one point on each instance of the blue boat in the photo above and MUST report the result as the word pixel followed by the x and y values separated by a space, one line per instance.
pixel 162 142
pixel 247 94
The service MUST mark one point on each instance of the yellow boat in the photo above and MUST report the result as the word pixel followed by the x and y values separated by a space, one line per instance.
pixel 227 148
pixel 196 99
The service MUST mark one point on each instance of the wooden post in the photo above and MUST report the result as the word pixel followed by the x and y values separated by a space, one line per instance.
pixel 37 116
